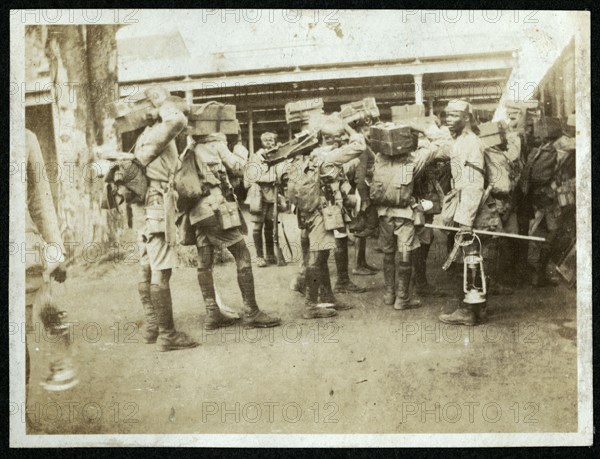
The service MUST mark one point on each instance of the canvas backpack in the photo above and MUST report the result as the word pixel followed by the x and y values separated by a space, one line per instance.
pixel 304 184
pixel 392 181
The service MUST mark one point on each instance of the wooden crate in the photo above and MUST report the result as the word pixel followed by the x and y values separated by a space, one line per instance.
pixel 393 140
pixel 547 127
pixel 206 127
pixel 212 117
pixel 359 110
pixel 130 117
pixel 302 110
pixel 407 112
pixel 491 134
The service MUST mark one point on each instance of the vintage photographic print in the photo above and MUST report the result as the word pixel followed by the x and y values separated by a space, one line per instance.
pixel 266 227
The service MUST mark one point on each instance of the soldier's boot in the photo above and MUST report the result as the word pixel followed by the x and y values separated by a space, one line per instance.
pixel 480 312
pixel 403 299
pixel 326 295
pixel 258 244
pixel 298 281
pixel 150 330
pixel 362 267
pixel 270 244
pixel 255 318
pixel 422 286
pixel 344 284
pixel 507 261
pixel 168 338
pixel 214 318
pixel 311 310
pixel 465 314
pixel 389 279
pixel 495 285
pixel 540 275
pixel 523 269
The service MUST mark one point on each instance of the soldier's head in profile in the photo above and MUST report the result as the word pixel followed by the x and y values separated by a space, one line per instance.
pixel 514 114
pixel 458 116
pixel 268 140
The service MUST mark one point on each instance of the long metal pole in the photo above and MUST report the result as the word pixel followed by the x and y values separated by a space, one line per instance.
pixel 488 233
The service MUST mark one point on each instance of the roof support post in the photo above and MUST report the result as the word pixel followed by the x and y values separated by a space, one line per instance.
pixel 418 78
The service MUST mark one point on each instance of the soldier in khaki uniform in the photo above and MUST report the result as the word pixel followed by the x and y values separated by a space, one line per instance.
pixel 263 219
pixel 156 150
pixel 463 204
pixel 427 187
pixel 214 160
pixel 325 163
pixel 366 221
pixel 399 240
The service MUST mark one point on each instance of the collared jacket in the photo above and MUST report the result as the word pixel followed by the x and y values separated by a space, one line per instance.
pixel 331 162
pixel 214 161
pixel 259 172
pixel 466 155
pixel 155 149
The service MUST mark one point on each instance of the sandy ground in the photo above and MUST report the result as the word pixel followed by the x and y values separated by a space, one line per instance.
pixel 368 370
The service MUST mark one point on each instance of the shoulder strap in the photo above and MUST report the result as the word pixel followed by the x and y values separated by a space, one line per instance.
pixel 477 168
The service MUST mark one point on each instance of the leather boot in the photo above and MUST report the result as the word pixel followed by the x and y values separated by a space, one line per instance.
pixel 298 281
pixel 362 267
pixel 258 245
pixel 168 338
pixel 403 275
pixel 540 275
pixel 255 318
pixel 326 293
pixel 422 286
pixel 311 311
pixel 344 284
pixel 464 315
pixel 389 279
pixel 495 286
pixel 214 318
pixel 481 312
pixel 150 330
pixel 269 244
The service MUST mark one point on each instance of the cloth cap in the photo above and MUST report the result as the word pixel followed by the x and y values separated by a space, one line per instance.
pixel 332 125
pixel 513 107
pixel 458 105
pixel 267 135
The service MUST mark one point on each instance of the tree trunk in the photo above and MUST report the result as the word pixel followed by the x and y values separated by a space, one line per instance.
pixel 82 65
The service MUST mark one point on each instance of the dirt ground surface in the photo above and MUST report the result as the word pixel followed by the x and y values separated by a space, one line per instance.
pixel 369 370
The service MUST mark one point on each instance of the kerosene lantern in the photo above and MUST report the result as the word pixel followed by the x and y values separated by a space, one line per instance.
pixel 474 284
pixel 62 375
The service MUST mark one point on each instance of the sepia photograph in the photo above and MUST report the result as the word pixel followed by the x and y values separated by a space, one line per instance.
pixel 300 228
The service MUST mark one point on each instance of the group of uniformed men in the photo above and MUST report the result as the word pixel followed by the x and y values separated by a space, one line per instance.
pixel 323 187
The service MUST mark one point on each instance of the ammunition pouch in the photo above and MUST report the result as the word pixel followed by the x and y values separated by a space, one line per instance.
pixel 228 215
pixel 333 218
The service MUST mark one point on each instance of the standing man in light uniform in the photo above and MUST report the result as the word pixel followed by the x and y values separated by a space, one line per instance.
pixel 264 218
pixel 155 149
